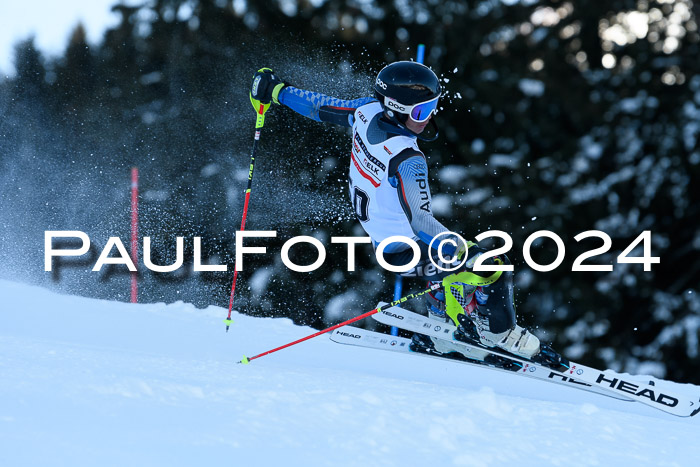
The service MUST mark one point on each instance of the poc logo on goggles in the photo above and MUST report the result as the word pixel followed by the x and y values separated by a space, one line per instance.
pixel 394 105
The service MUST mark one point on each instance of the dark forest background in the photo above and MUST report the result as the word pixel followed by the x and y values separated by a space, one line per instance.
pixel 564 116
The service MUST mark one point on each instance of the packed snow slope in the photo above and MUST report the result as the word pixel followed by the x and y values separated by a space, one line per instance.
pixel 86 382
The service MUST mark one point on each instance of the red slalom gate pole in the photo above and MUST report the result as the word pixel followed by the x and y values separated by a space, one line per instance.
pixel 260 109
pixel 435 286
pixel 134 231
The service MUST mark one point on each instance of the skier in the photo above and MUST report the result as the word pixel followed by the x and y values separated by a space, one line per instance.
pixel 391 196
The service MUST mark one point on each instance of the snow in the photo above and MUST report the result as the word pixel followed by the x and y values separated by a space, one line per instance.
pixel 93 382
pixel 337 307
pixel 453 174
pixel 442 204
pixel 594 190
pixel 260 280
pixel 474 197
pixel 509 161
pixel 631 105
pixel 531 87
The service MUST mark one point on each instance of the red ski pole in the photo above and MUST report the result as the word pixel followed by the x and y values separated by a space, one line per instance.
pixel 357 318
pixel 260 108
pixel 134 231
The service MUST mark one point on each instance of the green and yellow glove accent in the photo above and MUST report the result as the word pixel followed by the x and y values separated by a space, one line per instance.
pixel 462 250
pixel 276 92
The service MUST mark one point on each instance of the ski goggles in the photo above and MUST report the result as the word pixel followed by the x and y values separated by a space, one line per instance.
pixel 419 113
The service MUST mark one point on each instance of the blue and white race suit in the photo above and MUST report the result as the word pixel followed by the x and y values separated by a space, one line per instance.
pixel 388 176
pixel 390 192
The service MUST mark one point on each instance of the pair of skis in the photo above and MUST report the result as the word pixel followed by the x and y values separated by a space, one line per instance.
pixel 607 382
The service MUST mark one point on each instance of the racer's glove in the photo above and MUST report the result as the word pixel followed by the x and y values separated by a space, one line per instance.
pixel 266 86
pixel 456 248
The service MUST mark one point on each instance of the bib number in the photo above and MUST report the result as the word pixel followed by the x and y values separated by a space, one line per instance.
pixel 360 201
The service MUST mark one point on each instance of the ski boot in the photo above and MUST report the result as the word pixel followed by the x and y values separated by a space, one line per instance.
pixel 516 341
pixel 435 303
pixel 465 298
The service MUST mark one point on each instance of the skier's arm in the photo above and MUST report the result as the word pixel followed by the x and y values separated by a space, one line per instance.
pixel 321 107
pixel 411 177
pixel 268 87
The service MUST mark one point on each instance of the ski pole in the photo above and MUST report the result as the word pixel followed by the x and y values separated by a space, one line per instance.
pixel 435 286
pixel 260 109
pixel 398 290
pixel 398 282
pixel 134 232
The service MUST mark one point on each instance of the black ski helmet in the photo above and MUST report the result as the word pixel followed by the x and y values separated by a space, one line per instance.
pixel 406 83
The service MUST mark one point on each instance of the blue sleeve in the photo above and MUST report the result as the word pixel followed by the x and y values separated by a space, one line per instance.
pixel 320 107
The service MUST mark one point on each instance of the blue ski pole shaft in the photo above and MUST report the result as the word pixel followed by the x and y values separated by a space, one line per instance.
pixel 398 291
pixel 420 53
pixel 398 284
